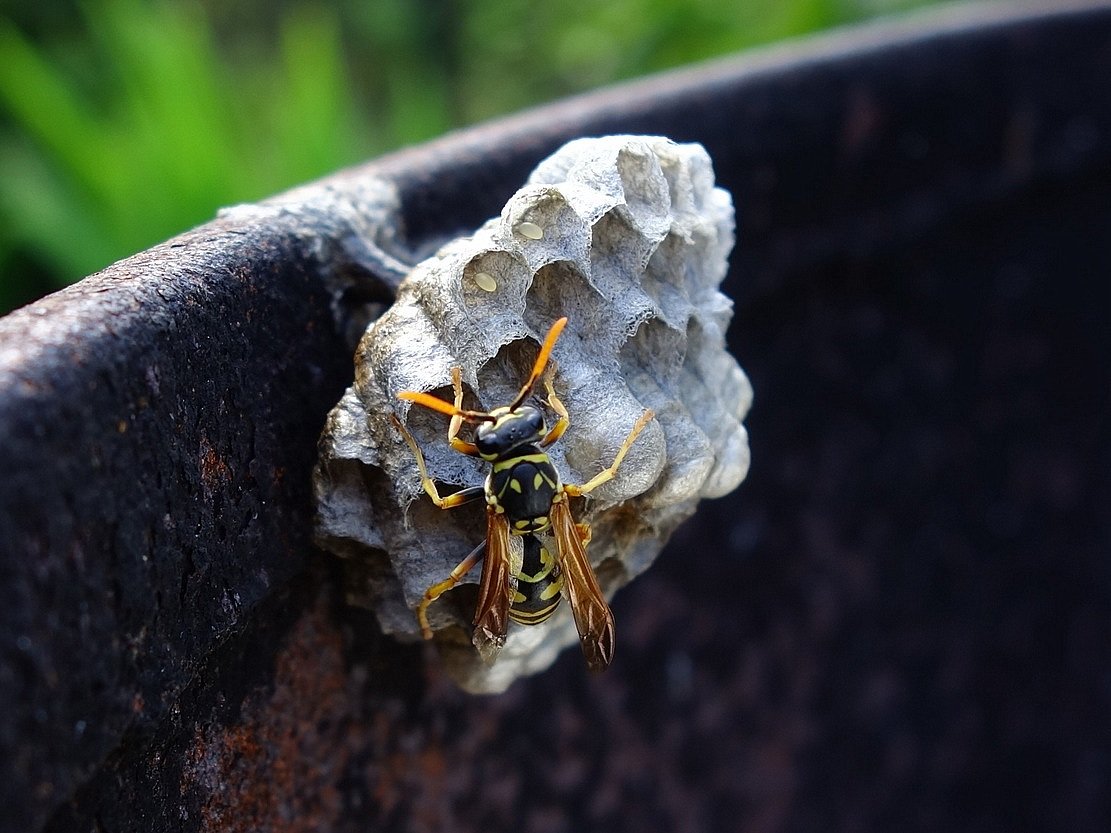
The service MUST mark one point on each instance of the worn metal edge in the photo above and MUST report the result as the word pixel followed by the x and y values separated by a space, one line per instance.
pixel 43 346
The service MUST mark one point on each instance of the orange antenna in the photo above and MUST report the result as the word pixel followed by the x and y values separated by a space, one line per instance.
pixel 541 362
pixel 437 404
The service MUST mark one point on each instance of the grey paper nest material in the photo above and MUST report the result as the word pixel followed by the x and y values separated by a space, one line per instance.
pixel 628 237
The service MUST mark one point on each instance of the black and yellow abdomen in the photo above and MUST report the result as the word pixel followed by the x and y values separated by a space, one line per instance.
pixel 539 584
pixel 523 486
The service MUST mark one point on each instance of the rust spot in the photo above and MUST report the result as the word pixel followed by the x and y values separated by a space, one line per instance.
pixel 279 767
pixel 214 471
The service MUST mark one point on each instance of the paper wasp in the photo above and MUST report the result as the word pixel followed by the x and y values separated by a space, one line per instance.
pixel 527 507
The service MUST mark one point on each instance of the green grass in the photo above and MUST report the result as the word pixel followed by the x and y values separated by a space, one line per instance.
pixel 127 121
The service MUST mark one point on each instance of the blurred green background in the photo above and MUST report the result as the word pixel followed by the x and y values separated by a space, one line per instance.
pixel 123 122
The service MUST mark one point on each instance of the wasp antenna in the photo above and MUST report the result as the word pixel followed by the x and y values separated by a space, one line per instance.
pixel 541 362
pixel 436 404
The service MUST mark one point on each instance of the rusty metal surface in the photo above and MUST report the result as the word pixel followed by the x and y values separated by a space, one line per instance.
pixel 899 622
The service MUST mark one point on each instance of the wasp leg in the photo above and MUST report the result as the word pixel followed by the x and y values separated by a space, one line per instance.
pixel 584 533
pixel 607 474
pixel 462 446
pixel 452 500
pixel 436 590
pixel 561 410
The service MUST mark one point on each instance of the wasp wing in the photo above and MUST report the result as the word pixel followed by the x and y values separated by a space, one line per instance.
pixel 592 615
pixel 491 618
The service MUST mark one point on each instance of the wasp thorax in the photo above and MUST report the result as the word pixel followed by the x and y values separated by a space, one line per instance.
pixel 509 430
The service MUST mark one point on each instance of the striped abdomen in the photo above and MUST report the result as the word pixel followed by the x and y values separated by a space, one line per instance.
pixel 539 584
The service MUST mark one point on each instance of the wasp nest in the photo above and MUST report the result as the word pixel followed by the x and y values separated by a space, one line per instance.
pixel 626 236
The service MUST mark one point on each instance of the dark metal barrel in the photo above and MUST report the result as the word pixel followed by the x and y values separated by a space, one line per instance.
pixel 898 622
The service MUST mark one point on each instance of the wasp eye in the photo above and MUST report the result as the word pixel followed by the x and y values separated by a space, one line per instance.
pixel 485 439
pixel 535 420
pixel 530 423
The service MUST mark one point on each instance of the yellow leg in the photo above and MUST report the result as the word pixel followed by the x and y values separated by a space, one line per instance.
pixel 584 533
pixel 436 590
pixel 608 474
pixel 462 446
pixel 561 410
pixel 452 500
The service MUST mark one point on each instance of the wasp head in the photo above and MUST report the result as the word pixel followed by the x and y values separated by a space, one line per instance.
pixel 510 429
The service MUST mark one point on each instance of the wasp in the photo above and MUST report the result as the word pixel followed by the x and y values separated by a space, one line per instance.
pixel 527 509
